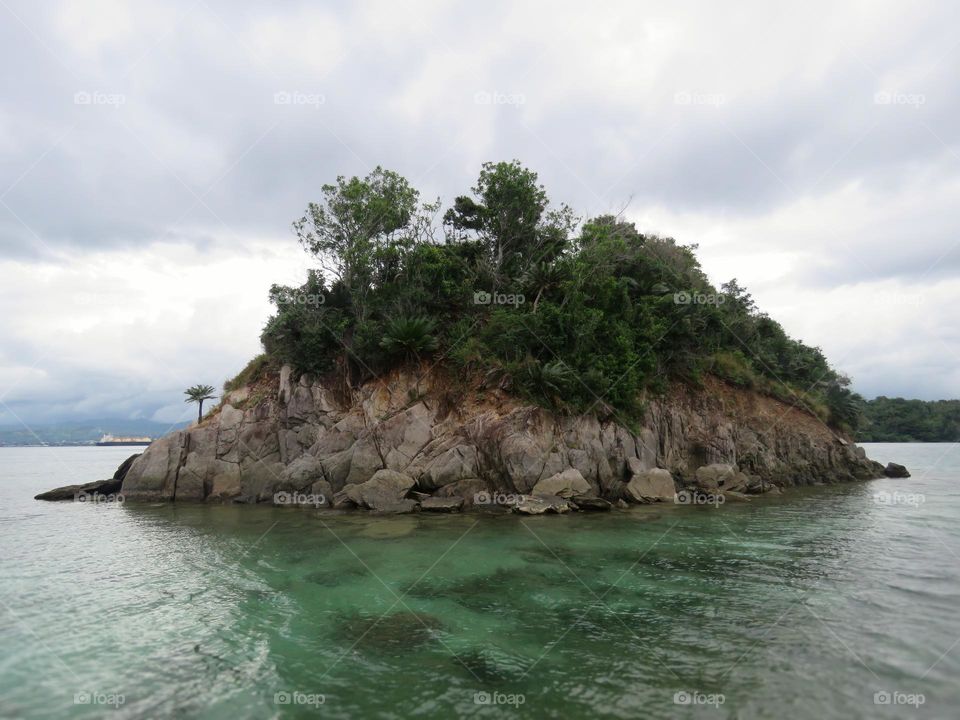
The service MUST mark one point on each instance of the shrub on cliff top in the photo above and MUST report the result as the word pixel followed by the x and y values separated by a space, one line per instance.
pixel 252 371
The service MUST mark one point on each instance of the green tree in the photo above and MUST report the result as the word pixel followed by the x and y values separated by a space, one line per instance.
pixel 360 229
pixel 197 394
pixel 509 214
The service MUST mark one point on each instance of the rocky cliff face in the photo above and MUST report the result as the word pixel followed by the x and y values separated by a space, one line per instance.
pixel 297 435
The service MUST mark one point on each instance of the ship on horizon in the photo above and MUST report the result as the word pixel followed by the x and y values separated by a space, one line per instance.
pixel 111 441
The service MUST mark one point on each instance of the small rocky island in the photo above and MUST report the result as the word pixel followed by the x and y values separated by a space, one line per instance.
pixel 526 359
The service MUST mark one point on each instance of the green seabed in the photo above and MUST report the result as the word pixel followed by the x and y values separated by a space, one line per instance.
pixel 804 605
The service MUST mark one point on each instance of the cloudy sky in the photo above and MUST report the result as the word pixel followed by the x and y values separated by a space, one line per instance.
pixel 153 155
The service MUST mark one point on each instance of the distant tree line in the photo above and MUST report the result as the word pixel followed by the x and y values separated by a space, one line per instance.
pixel 572 314
pixel 898 420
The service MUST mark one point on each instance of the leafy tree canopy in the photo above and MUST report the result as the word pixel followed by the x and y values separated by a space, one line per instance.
pixel 575 319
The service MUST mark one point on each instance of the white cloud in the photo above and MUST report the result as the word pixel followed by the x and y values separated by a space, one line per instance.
pixel 147 321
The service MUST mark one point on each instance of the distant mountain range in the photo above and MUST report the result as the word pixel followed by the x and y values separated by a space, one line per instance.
pixel 85 432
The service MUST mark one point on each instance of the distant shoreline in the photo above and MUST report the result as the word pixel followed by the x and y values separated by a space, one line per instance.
pixel 69 444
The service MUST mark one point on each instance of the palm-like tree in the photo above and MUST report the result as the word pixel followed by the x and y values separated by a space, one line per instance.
pixel 409 337
pixel 542 276
pixel 197 394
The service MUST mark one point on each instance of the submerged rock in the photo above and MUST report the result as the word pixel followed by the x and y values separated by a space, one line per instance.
pixel 389 527
pixel 398 507
pixel 442 504
pixel 493 665
pixel 400 631
pixel 540 504
pixel 337 577
pixel 592 504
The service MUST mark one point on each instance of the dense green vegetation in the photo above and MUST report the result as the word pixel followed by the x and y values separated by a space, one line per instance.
pixel 898 420
pixel 575 315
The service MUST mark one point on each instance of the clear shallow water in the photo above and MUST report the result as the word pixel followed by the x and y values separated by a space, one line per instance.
pixel 803 606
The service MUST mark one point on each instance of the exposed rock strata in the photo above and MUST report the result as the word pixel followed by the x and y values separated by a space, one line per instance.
pixel 410 437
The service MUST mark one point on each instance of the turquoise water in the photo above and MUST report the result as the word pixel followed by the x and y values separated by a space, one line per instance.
pixel 803 606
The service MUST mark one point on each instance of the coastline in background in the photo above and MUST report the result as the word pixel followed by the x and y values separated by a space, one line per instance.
pixel 86 432
pixel 897 420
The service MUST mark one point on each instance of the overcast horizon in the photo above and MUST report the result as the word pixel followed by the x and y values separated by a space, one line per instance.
pixel 153 158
